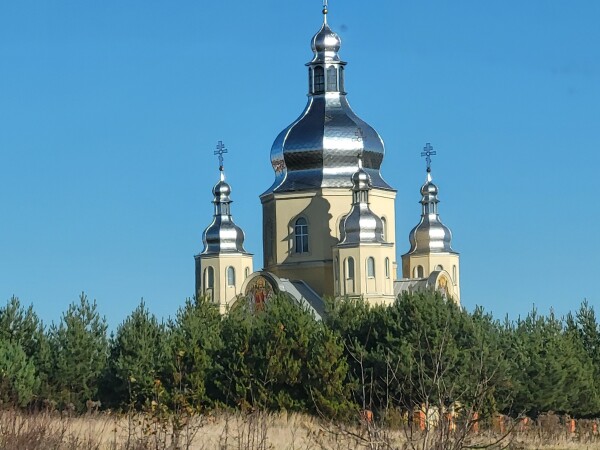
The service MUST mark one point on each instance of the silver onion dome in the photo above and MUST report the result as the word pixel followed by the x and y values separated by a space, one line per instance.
pixel 361 225
pixel 222 235
pixel 319 148
pixel 430 235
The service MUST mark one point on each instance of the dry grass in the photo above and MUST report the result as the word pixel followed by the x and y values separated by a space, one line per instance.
pixel 53 431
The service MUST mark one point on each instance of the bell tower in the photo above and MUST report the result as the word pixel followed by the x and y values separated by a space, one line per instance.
pixel 223 264
pixel 363 259
pixel 430 241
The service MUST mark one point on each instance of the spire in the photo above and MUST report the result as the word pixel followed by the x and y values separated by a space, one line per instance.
pixel 361 225
pixel 430 235
pixel 325 11
pixel 222 235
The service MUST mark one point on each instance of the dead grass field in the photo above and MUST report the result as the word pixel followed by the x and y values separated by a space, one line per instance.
pixel 102 431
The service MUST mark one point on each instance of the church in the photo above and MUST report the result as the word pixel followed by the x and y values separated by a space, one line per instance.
pixel 329 216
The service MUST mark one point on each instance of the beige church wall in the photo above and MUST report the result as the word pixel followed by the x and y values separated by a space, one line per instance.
pixel 224 293
pixel 430 262
pixel 375 289
pixel 323 210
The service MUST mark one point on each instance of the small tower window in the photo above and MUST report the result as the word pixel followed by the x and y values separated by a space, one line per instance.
pixel 350 268
pixel 247 272
pixel 371 267
pixel 454 274
pixel 209 281
pixel 341 79
pixel 332 82
pixel 336 265
pixel 319 83
pixel 301 235
pixel 419 271
pixel 439 267
pixel 230 276
pixel 387 267
pixel 310 79
pixel 384 229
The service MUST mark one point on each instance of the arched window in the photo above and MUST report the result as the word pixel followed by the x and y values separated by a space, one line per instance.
pixel 350 268
pixel 387 267
pixel 230 276
pixel 454 274
pixel 370 267
pixel 384 229
pixel 319 83
pixel 439 267
pixel 209 278
pixel 336 265
pixel 310 79
pixel 301 235
pixel 419 271
pixel 247 272
pixel 332 82
pixel 341 79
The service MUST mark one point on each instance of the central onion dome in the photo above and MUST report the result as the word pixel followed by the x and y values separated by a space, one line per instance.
pixel 430 235
pixel 319 149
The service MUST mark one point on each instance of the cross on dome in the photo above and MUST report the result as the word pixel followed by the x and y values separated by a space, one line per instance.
pixel 221 150
pixel 428 153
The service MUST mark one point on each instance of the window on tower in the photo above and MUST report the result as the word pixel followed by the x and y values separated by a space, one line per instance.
pixel 387 267
pixel 230 276
pixel 332 81
pixel 350 268
pixel 319 84
pixel 301 235
pixel 371 267
pixel 419 272
pixel 209 282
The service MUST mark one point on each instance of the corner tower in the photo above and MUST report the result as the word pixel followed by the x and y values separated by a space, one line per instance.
pixel 314 159
pixel 362 261
pixel 430 242
pixel 223 264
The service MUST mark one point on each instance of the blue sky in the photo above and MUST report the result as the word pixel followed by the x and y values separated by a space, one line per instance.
pixel 110 111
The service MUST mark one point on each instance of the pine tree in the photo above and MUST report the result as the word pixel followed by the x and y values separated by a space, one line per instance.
pixel 79 352
pixel 139 353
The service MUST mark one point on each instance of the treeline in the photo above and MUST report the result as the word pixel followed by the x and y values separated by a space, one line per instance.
pixel 419 352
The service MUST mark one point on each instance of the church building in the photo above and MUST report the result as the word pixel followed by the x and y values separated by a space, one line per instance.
pixel 329 218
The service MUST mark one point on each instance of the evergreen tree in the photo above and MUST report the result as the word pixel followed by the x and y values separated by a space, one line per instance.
pixel 22 326
pixel 18 379
pixel 194 340
pixel 79 353
pixel 139 353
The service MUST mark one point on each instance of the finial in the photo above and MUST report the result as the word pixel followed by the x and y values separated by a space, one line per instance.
pixel 325 11
pixel 221 150
pixel 359 157
pixel 428 153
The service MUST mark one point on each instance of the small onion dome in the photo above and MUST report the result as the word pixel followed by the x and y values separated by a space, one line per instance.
pixel 361 225
pixel 222 190
pixel 430 235
pixel 223 235
pixel 361 180
pixel 326 44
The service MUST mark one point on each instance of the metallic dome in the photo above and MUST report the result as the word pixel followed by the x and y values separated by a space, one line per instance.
pixel 319 148
pixel 325 44
pixel 361 225
pixel 430 235
pixel 222 235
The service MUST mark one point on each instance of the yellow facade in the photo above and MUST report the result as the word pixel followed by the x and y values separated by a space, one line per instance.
pixel 323 209
pixel 223 286
pixel 422 265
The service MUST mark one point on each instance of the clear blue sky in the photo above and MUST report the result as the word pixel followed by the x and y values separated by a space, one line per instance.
pixel 110 111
